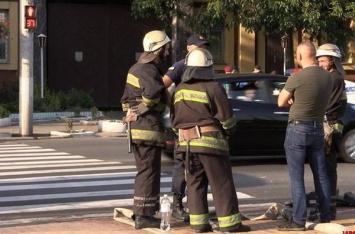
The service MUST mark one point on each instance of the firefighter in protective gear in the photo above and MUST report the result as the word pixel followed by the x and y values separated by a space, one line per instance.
pixel 171 79
pixel 329 58
pixel 145 99
pixel 203 118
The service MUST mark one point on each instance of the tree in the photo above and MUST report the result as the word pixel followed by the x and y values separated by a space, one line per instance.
pixel 317 17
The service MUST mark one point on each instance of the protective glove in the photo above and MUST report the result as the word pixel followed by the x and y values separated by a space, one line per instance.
pixel 140 109
pixel 130 117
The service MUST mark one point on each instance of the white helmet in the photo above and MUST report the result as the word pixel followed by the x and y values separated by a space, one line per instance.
pixel 328 50
pixel 333 51
pixel 154 40
pixel 199 58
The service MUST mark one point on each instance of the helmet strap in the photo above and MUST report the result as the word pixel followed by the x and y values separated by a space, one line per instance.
pixel 331 65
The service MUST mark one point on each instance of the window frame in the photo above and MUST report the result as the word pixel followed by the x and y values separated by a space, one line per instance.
pixel 13 38
pixel 4 39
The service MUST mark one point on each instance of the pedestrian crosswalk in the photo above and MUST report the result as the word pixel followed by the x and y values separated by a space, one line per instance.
pixel 41 180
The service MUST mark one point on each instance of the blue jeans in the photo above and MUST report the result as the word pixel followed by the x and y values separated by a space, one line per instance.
pixel 307 142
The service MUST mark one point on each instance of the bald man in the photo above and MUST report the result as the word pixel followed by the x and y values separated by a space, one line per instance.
pixel 308 93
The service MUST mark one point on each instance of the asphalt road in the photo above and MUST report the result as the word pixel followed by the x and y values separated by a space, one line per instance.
pixel 52 178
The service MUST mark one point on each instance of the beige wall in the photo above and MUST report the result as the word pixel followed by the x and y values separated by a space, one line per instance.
pixel 246 44
pixel 260 50
pixel 13 17
pixel 250 48
pixel 228 51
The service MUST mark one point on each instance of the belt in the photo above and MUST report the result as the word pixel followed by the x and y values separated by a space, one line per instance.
pixel 208 128
pixel 311 123
pixel 188 134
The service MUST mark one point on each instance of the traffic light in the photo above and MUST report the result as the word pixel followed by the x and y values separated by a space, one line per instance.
pixel 30 17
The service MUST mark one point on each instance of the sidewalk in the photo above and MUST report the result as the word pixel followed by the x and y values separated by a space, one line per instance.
pixel 107 225
pixel 42 130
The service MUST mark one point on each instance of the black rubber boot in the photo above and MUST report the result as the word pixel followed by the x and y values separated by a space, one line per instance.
pixel 236 228
pixel 313 215
pixel 146 222
pixel 333 211
pixel 179 212
pixel 202 228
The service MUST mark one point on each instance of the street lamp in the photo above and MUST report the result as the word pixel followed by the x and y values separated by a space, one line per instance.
pixel 42 43
pixel 284 45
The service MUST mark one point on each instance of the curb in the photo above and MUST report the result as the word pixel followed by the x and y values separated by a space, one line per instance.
pixel 20 138
pixel 72 134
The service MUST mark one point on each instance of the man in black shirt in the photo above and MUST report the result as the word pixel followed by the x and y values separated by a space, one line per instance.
pixel 329 58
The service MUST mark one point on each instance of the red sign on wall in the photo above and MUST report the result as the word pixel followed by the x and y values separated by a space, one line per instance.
pixel 30 17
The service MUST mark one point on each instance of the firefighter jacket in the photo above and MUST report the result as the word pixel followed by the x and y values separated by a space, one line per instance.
pixel 203 103
pixel 338 100
pixel 145 85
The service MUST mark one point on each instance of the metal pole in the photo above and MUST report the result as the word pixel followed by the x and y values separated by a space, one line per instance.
pixel 284 44
pixel 285 61
pixel 42 73
pixel 25 76
pixel 42 43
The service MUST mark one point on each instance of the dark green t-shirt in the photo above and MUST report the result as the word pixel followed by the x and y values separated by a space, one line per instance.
pixel 311 88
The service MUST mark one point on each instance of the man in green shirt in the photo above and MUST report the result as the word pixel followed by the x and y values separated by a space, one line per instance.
pixel 308 94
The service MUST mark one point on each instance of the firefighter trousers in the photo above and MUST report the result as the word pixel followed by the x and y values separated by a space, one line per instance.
pixel 216 171
pixel 147 181
pixel 331 163
pixel 178 176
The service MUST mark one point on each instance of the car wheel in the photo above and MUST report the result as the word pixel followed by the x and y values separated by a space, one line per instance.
pixel 348 147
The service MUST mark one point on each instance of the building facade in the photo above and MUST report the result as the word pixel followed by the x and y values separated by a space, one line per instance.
pixel 92 43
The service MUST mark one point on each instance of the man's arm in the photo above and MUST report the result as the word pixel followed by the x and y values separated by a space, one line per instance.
pixel 285 98
pixel 167 82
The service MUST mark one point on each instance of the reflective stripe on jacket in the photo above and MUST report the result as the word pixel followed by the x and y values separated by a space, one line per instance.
pixel 208 142
pixel 144 84
pixel 158 138
pixel 203 103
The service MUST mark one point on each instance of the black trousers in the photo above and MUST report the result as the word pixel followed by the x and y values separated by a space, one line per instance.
pixel 331 163
pixel 213 170
pixel 147 182
pixel 178 175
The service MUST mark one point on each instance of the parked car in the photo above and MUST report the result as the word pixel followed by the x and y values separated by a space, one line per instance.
pixel 261 124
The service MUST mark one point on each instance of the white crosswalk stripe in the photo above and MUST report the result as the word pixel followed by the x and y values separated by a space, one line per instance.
pixel 35 180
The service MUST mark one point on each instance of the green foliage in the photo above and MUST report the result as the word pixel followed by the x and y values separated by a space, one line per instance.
pixel 79 98
pixel 69 124
pixel 316 17
pixel 94 113
pixel 164 10
pixel 4 112
pixel 74 100
pixel 51 102
pixel 77 111
pixel 9 96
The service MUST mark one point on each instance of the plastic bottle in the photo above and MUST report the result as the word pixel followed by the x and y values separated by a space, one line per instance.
pixel 165 212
